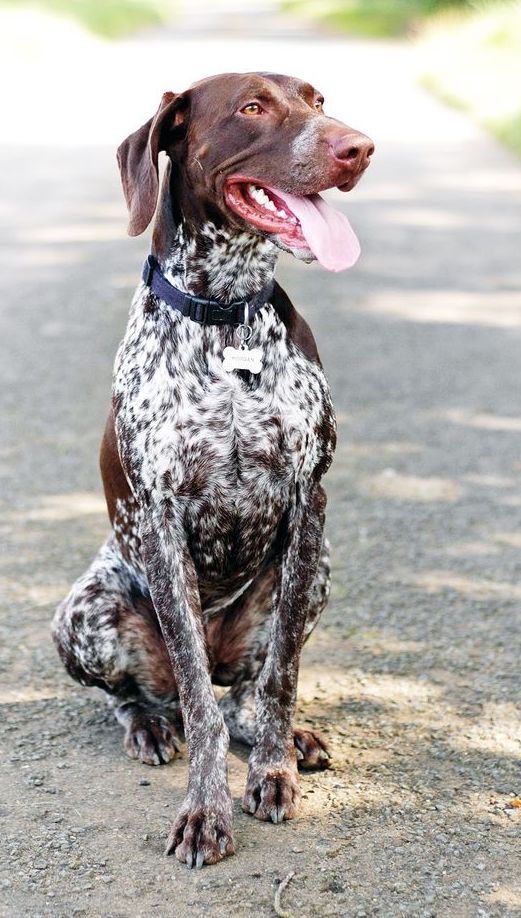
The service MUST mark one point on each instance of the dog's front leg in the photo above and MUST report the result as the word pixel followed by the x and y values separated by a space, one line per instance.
pixel 202 832
pixel 272 789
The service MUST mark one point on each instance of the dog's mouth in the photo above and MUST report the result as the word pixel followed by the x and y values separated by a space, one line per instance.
pixel 301 223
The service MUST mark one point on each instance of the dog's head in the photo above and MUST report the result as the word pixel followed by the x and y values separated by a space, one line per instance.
pixel 251 151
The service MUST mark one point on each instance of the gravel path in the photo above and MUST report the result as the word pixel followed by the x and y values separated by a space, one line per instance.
pixel 414 674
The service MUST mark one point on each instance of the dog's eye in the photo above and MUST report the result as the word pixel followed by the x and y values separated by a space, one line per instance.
pixel 252 108
pixel 318 104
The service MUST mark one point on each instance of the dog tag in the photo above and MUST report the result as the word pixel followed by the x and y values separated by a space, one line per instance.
pixel 242 358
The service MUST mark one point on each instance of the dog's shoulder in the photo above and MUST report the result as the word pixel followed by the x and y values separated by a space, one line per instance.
pixel 298 329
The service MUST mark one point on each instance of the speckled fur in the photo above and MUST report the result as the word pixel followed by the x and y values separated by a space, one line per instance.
pixel 215 461
pixel 216 569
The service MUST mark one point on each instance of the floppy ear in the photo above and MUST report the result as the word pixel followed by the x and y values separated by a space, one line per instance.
pixel 138 166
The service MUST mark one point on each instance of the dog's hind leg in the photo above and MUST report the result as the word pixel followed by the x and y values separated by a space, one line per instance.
pixel 150 735
pixel 238 705
pixel 107 635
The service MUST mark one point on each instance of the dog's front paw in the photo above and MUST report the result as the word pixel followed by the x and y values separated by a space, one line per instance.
pixel 272 793
pixel 202 834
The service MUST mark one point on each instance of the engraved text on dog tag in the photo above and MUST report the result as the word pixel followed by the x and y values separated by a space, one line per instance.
pixel 242 358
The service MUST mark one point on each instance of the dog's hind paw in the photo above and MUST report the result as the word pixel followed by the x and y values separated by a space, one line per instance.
pixel 151 738
pixel 311 749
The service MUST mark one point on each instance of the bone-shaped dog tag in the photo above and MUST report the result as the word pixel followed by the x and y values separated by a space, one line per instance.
pixel 242 359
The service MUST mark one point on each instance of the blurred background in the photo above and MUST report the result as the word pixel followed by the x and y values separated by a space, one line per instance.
pixel 468 52
pixel 414 671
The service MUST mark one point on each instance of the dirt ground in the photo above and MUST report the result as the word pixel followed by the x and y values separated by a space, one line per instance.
pixel 414 672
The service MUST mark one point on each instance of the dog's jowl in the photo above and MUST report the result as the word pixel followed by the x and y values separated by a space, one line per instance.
pixel 220 430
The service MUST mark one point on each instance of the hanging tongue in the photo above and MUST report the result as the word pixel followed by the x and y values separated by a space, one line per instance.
pixel 327 232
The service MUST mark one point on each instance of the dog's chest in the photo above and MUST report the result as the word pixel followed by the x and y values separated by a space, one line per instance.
pixel 226 448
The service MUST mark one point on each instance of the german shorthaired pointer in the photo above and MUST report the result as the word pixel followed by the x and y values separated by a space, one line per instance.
pixel 220 430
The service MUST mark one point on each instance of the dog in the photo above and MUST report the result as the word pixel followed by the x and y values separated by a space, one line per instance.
pixel 221 428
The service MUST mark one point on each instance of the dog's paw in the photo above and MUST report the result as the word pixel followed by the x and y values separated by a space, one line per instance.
pixel 311 749
pixel 201 834
pixel 152 739
pixel 272 793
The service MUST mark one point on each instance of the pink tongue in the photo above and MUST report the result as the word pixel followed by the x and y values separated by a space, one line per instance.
pixel 328 233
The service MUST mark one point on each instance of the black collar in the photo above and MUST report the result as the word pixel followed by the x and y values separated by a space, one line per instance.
pixel 207 312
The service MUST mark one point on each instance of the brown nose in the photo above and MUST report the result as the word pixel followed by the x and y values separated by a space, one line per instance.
pixel 354 149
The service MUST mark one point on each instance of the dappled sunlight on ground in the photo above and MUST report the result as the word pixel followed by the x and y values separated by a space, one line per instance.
pixel 57 507
pixel 381 449
pixel 471 549
pixel 33 594
pixel 485 181
pixel 482 421
pixel 390 484
pixel 21 695
pixel 492 481
pixel 435 581
pixel 426 217
pixel 338 681
pixel 497 731
pixel 512 539
pixel 507 896
pixel 32 257
pixel 502 309
pixel 73 232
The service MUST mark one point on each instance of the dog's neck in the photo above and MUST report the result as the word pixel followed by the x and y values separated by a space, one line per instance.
pixel 201 256
pixel 218 263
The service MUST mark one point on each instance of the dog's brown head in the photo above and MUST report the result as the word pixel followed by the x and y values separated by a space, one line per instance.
pixel 252 151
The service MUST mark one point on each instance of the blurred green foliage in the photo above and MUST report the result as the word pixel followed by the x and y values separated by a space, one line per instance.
pixel 375 18
pixel 508 131
pixel 107 18
pixel 473 62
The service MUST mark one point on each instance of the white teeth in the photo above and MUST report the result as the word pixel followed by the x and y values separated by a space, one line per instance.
pixel 259 195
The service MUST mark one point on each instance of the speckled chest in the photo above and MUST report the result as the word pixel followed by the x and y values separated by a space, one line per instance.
pixel 226 450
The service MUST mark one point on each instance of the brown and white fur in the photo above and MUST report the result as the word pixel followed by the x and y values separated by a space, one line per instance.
pixel 216 569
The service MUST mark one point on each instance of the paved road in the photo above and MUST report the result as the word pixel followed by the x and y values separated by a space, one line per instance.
pixel 415 672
